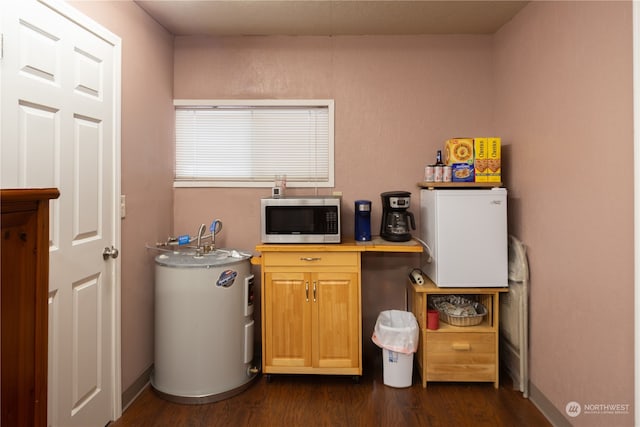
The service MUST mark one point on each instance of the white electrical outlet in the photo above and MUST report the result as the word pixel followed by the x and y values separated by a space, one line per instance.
pixel 123 206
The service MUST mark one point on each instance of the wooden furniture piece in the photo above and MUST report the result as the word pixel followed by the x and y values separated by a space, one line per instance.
pixel 457 353
pixel 24 295
pixel 311 306
pixel 432 185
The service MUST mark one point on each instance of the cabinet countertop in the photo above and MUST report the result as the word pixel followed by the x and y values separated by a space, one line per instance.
pixel 376 244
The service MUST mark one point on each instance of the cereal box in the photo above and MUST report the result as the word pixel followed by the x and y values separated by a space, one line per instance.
pixel 480 159
pixel 494 169
pixel 462 172
pixel 458 150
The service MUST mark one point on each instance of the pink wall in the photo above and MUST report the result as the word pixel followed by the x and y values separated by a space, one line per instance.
pixel 563 73
pixel 557 85
pixel 559 79
pixel 396 100
pixel 147 167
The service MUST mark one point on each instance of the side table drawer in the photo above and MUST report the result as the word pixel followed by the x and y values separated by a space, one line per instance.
pixel 461 356
pixel 310 259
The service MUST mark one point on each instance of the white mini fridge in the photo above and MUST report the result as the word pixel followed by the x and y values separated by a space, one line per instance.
pixel 466 234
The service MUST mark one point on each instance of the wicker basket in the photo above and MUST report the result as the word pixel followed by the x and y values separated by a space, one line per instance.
pixel 459 320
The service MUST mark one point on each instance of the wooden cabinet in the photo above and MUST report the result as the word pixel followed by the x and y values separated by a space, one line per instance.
pixel 24 295
pixel 311 312
pixel 457 353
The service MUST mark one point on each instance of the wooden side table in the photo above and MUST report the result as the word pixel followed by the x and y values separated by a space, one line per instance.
pixel 457 353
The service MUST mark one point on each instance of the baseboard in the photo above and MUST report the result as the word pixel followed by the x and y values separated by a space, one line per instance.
pixel 547 408
pixel 132 392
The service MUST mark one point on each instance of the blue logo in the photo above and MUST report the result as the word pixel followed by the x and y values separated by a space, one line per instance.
pixel 227 278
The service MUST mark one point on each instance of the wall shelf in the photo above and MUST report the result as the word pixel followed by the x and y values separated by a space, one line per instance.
pixel 425 184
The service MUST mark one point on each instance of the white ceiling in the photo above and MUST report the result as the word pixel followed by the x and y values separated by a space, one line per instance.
pixel 330 17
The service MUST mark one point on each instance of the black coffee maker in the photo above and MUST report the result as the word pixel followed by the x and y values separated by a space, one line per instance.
pixel 395 216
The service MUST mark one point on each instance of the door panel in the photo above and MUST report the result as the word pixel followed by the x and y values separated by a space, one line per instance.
pixel 39 51
pixel 86 372
pixel 336 346
pixel 88 180
pixel 38 125
pixel 288 320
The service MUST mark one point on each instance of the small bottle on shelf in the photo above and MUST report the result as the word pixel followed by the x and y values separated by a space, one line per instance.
pixel 439 167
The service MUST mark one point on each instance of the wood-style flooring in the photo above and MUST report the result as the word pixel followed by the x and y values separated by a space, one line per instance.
pixel 308 400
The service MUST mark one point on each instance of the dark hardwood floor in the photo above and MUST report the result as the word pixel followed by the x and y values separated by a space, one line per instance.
pixel 289 400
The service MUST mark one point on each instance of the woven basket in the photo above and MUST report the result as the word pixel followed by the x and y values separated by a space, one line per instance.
pixel 459 320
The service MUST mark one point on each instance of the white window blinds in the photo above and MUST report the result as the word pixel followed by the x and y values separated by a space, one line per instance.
pixel 247 143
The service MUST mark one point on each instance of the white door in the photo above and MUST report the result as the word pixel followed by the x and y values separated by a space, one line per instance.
pixel 60 97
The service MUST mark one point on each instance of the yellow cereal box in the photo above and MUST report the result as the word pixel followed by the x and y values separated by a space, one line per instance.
pixel 494 169
pixel 480 159
pixel 458 150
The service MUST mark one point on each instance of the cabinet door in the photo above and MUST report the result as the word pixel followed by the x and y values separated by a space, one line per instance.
pixel 20 295
pixel 336 319
pixel 287 320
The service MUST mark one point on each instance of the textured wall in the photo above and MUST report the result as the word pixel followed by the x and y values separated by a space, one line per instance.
pixel 555 83
pixel 397 99
pixel 563 78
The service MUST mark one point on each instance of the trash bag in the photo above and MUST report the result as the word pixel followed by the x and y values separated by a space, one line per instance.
pixel 397 331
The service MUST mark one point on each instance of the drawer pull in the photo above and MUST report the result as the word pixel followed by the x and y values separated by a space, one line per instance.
pixel 461 346
pixel 309 259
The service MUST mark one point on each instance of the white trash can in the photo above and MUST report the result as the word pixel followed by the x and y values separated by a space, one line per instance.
pixel 397 368
pixel 397 333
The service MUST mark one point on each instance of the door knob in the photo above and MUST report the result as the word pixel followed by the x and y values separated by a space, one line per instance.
pixel 110 252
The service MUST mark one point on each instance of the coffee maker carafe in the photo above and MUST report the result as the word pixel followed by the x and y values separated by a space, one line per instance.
pixel 396 219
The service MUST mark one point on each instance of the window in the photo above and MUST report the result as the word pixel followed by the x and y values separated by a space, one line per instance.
pixel 245 143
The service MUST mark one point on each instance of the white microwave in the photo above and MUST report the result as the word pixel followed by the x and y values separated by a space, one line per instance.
pixel 308 219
